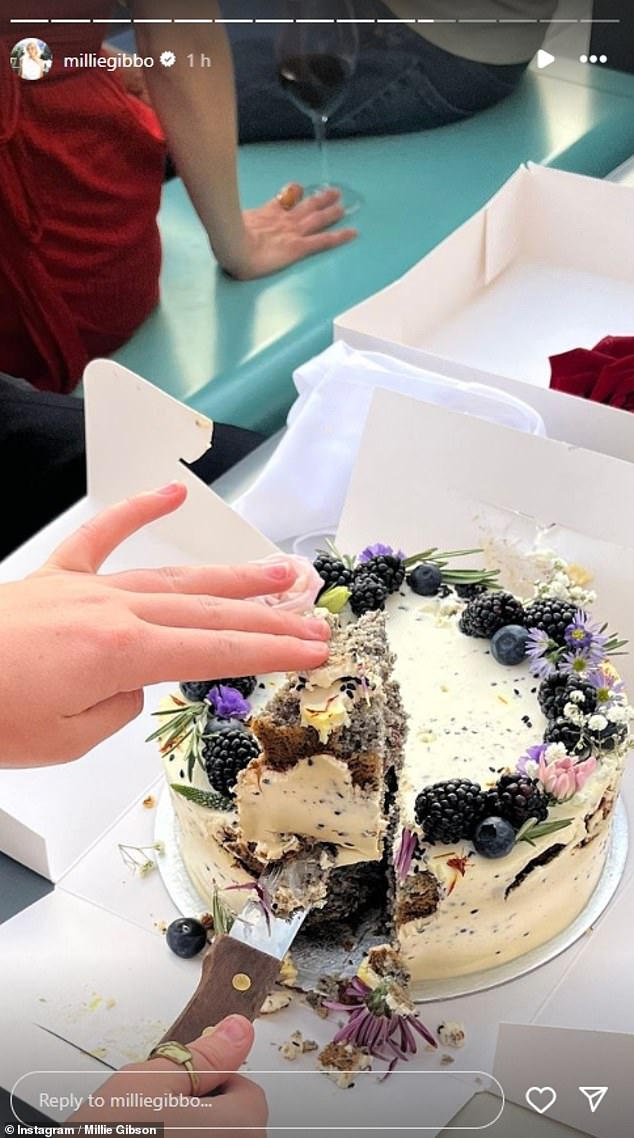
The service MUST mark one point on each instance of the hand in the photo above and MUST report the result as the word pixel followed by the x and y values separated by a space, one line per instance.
pixel 276 237
pixel 77 648
pixel 237 1104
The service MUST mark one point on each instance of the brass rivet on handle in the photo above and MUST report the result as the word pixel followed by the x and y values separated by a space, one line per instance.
pixel 241 982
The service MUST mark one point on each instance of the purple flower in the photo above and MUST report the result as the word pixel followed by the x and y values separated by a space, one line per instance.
pixel 228 703
pixel 373 1025
pixel 408 846
pixel 579 664
pixel 539 647
pixel 608 685
pixel 583 636
pixel 379 550
pixel 533 755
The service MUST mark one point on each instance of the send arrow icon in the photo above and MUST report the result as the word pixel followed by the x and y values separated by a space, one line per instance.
pixel 594 1095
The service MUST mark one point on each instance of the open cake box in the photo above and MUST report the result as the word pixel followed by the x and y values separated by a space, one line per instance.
pixel 486 480
pixel 545 266
pixel 453 481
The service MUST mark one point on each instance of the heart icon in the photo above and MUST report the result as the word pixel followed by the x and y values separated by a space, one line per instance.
pixel 541 1098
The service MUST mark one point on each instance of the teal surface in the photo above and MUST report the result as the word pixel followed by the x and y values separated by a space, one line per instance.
pixel 229 348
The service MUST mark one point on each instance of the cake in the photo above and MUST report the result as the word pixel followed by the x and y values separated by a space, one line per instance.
pixel 453 768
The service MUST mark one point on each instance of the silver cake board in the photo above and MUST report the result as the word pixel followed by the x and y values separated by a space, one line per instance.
pixel 315 959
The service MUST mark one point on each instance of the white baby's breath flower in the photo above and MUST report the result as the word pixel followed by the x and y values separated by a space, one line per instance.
pixel 573 713
pixel 555 751
pixel 597 722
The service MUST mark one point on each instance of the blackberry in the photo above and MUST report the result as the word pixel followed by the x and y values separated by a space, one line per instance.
pixel 608 738
pixel 367 594
pixel 550 695
pixel 468 592
pixel 485 614
pixel 332 571
pixel 196 690
pixel 449 811
pixel 551 616
pixel 572 736
pixel 557 690
pixel 225 754
pixel 517 799
pixel 389 570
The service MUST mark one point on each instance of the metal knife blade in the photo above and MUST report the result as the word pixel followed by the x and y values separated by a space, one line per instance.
pixel 239 969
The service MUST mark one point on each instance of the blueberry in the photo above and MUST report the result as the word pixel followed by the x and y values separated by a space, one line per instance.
pixel 494 837
pixel 214 723
pixel 425 580
pixel 186 937
pixel 508 644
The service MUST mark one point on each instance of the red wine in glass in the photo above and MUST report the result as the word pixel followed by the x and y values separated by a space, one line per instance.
pixel 316 51
pixel 316 83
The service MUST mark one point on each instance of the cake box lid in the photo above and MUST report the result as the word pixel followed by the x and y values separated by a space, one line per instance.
pixel 137 438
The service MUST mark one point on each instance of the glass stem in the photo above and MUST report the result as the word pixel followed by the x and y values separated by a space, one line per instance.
pixel 320 123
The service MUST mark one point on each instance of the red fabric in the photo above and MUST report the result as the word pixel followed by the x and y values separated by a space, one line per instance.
pixel 81 170
pixel 604 373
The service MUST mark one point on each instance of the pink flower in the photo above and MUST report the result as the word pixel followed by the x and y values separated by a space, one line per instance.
pixel 564 777
pixel 305 588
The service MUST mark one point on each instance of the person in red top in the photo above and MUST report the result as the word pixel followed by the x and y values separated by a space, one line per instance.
pixel 81 170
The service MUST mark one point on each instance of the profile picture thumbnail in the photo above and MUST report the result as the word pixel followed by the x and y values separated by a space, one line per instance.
pixel 31 58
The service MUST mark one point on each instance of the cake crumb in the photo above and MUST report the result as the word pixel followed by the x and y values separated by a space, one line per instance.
pixel 451 1034
pixel 315 1000
pixel 342 1061
pixel 288 972
pixel 149 802
pixel 275 1002
pixel 295 1046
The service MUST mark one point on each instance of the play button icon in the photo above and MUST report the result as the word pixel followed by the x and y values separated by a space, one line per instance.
pixel 544 59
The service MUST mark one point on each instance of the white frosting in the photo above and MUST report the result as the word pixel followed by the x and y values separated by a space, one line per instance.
pixel 315 798
pixel 471 717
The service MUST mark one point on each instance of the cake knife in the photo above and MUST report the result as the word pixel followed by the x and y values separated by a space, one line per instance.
pixel 239 969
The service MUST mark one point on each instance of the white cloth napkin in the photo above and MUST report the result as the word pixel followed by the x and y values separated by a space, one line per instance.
pixel 303 486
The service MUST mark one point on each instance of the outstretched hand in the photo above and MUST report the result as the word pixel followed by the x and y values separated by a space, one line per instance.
pixel 277 237
pixel 78 647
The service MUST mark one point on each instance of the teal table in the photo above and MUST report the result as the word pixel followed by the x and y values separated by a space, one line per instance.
pixel 229 348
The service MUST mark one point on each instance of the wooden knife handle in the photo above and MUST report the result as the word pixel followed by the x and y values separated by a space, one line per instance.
pixel 236 979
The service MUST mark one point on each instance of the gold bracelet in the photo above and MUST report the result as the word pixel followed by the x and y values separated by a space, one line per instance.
pixel 180 1054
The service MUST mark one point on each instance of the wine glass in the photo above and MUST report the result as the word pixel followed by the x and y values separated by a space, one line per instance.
pixel 316 52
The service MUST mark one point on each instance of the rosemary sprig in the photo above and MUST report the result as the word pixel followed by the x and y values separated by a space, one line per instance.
pixel 221 915
pixel 183 724
pixel 208 798
pixel 532 829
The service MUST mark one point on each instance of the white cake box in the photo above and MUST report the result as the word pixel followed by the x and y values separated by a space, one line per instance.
pixel 136 437
pixel 97 976
pixel 544 267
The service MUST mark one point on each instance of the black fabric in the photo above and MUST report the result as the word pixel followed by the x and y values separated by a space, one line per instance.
pixel 43 458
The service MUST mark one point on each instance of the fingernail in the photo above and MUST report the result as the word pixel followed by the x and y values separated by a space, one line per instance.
pixel 170 489
pixel 233 1029
pixel 317 652
pixel 279 572
pixel 318 628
